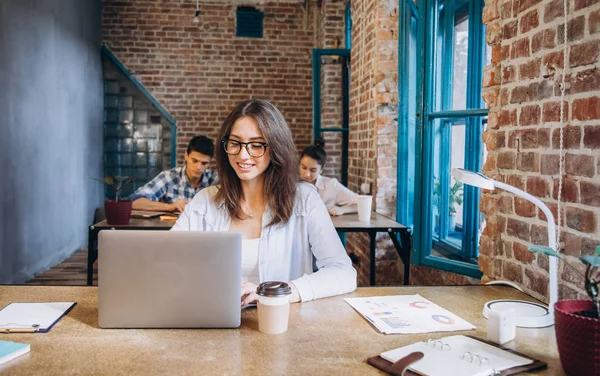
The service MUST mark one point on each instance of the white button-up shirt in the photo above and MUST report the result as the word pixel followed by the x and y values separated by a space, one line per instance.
pixel 332 192
pixel 286 251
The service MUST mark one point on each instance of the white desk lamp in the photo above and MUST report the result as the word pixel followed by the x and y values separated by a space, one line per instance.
pixel 529 314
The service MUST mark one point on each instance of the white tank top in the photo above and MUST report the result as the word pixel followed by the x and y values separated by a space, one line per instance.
pixel 250 260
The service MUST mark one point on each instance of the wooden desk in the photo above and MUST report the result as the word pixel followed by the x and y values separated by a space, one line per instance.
pixel 379 223
pixel 325 337
pixel 134 224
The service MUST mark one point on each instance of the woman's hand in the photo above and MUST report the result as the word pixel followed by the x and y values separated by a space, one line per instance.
pixel 248 293
pixel 335 210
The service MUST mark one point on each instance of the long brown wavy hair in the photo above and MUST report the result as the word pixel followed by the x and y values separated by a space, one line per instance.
pixel 281 176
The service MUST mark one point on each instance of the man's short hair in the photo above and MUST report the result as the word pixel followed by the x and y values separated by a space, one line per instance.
pixel 201 144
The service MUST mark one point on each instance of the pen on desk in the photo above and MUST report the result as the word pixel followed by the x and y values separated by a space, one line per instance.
pixel 17 330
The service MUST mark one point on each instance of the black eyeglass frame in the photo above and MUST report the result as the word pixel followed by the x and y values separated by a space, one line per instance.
pixel 245 144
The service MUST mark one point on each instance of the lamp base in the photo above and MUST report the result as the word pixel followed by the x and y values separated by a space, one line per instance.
pixel 529 314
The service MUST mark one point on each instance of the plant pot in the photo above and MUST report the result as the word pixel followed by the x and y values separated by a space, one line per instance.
pixel 451 222
pixel 577 337
pixel 117 213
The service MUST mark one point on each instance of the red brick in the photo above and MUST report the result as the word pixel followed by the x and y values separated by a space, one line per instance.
pixel 528 139
pixel 552 10
pixel 539 235
pixel 549 164
pixel 493 32
pixel 521 5
pixel 515 181
pixel 507 160
pixel 505 204
pixel 524 208
pixel 529 21
pixel 528 162
pixel 536 281
pixel 521 94
pixel 572 244
pixel 570 191
pixel 544 39
pixel 581 220
pixel 579 165
pixel 496 54
pixel 590 193
pixel 510 30
pixel 586 108
pixel 501 224
pixel 553 61
pixel 506 10
pixel 580 4
pixel 551 111
pixel 583 54
pixel 521 253
pixel 537 186
pixel 490 11
pixel 594 22
pixel 584 81
pixel 508 74
pixel 505 55
pixel 531 69
pixel 500 139
pixel 504 97
pixel 517 229
pixel 511 270
pixel 530 115
pixel 576 29
pixel 571 137
pixel 520 48
pixel 507 118
pixel 591 137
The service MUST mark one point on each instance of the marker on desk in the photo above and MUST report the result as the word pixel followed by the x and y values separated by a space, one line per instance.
pixel 31 329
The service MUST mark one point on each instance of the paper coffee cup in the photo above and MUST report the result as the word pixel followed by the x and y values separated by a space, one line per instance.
pixel 364 207
pixel 273 307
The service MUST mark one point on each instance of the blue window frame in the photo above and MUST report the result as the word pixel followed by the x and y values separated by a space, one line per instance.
pixel 441 119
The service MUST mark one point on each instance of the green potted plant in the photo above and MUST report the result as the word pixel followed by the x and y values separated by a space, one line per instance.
pixel 577 322
pixel 118 212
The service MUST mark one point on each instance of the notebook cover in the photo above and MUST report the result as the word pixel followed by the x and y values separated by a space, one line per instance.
pixel 385 366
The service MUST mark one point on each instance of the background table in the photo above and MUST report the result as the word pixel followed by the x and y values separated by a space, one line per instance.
pixel 379 223
pixel 342 223
pixel 325 337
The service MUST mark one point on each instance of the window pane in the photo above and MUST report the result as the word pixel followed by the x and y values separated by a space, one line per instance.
pixel 459 64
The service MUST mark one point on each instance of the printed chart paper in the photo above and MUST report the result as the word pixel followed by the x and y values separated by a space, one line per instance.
pixel 407 314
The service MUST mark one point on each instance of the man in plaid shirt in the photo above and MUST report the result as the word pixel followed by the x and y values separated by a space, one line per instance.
pixel 172 189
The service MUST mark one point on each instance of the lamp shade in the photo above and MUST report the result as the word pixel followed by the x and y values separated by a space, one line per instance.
pixel 473 178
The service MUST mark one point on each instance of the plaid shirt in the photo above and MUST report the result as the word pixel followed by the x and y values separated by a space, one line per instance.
pixel 172 185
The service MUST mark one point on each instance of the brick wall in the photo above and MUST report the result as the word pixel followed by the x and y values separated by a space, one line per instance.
pixel 373 130
pixel 521 88
pixel 331 32
pixel 199 72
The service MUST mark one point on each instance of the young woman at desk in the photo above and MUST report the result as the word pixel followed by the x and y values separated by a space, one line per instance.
pixel 337 198
pixel 284 223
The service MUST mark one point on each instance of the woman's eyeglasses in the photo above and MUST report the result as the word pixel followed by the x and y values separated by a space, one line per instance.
pixel 254 149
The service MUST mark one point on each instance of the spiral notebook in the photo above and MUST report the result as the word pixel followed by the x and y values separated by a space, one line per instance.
pixel 464 355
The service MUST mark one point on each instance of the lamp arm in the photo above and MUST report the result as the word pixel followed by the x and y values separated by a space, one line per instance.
pixel 553 262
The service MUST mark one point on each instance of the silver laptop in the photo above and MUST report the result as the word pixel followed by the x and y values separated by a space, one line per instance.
pixel 169 279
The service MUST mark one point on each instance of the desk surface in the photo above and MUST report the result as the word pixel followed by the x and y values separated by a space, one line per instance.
pixel 325 337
